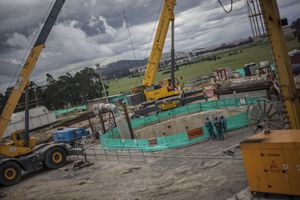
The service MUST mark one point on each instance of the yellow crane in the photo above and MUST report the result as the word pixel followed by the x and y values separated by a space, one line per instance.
pixel 272 159
pixel 280 53
pixel 278 45
pixel 21 152
pixel 165 88
pixel 263 150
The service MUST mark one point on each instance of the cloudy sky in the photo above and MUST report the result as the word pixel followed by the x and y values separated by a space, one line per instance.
pixel 94 31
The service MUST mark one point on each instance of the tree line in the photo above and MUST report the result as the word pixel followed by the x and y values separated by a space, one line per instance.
pixel 65 91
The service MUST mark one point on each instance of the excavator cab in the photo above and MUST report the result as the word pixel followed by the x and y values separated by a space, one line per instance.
pixel 19 139
pixel 17 145
pixel 164 89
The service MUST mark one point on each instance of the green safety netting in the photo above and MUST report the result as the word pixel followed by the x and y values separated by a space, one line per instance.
pixel 118 97
pixel 68 110
pixel 111 139
pixel 192 108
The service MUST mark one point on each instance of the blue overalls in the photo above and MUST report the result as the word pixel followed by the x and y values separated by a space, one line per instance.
pixel 223 124
pixel 219 129
pixel 210 129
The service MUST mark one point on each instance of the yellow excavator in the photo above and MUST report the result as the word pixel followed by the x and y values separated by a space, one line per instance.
pixel 168 87
pixel 21 153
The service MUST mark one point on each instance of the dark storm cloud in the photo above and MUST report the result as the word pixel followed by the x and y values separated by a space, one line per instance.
pixel 93 31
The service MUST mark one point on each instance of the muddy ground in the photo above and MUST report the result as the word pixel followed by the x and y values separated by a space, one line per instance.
pixel 169 177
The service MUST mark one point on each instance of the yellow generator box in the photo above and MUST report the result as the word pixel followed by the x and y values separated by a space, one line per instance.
pixel 272 162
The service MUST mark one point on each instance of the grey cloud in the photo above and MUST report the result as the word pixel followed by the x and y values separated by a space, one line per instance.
pixel 93 31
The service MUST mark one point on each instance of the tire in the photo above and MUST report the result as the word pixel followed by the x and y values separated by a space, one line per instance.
pixel 10 173
pixel 56 157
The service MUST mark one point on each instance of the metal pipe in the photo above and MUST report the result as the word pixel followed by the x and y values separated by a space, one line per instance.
pixel 102 123
pixel 103 86
pixel 90 123
pixel 105 107
pixel 128 121
pixel 172 56
pixel 26 116
pixel 114 118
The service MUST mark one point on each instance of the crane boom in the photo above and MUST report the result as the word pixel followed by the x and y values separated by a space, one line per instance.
pixel 167 15
pixel 28 67
pixel 166 88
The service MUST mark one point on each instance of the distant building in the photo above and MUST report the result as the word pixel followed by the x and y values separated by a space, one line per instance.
pixel 208 51
pixel 140 69
pixel 295 60
pixel 288 29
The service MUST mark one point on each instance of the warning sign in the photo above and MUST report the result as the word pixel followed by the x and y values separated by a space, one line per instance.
pixel 274 167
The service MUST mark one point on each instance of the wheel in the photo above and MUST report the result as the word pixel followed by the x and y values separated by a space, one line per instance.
pixel 10 173
pixel 56 157
pixel 265 114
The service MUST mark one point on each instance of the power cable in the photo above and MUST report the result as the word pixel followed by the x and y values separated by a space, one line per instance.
pixel 226 11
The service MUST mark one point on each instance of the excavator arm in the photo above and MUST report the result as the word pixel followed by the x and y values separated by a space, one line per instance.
pixel 28 67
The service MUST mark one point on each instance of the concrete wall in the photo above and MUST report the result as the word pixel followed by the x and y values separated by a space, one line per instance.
pixel 183 123
pixel 253 94
pixel 38 117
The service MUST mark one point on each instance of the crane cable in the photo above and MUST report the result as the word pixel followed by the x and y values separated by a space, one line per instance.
pixel 226 11
pixel 129 34
pixel 156 20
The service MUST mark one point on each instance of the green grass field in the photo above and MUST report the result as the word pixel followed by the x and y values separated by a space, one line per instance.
pixel 257 53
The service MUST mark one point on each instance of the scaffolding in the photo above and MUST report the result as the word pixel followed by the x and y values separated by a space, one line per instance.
pixel 255 18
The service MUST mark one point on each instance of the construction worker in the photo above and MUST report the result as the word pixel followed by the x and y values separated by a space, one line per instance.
pixel 223 123
pixel 219 128
pixel 210 129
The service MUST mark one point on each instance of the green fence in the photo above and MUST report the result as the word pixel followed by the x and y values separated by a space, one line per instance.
pixel 118 97
pixel 111 139
pixel 68 110
pixel 192 108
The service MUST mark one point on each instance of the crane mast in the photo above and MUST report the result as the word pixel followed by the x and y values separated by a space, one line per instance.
pixel 28 67
pixel 167 15
pixel 165 88
pixel 280 52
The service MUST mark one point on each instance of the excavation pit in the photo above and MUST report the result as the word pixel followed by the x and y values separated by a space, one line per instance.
pixel 180 126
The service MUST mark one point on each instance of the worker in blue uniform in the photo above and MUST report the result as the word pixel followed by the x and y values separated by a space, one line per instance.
pixel 218 126
pixel 223 123
pixel 210 129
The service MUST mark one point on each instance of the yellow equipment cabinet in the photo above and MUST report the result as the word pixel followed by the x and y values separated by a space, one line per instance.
pixel 272 162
